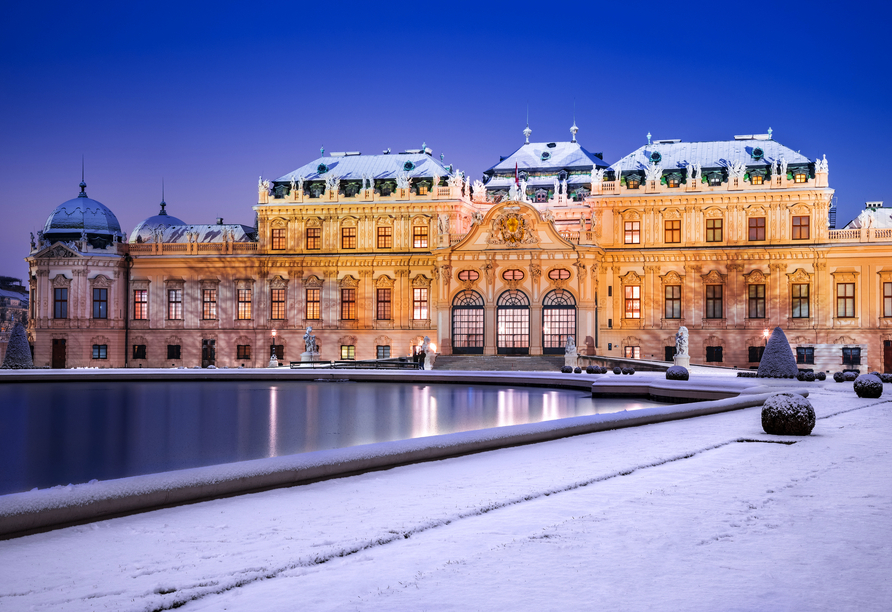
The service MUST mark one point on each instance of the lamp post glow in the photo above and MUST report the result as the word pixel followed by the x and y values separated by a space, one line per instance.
pixel 273 360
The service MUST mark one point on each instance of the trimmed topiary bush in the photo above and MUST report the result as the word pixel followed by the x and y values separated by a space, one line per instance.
pixel 567 369
pixel 850 376
pixel 677 373
pixel 577 370
pixel 747 374
pixel 809 377
pixel 617 370
pixel 869 386
pixel 18 351
pixel 777 359
pixel 590 370
pixel 820 376
pixel 801 376
pixel 839 376
pixel 788 414
pixel 886 378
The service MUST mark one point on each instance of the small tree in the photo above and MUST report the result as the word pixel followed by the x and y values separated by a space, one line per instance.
pixel 18 351
pixel 777 360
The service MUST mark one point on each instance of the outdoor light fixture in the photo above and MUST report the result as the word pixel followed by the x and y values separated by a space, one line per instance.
pixel 273 360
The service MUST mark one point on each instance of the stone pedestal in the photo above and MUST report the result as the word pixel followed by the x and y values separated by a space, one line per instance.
pixel 273 362
pixel 429 358
pixel 682 360
pixel 307 356
pixel 571 359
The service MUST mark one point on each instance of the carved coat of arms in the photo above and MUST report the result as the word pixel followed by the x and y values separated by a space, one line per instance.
pixel 511 229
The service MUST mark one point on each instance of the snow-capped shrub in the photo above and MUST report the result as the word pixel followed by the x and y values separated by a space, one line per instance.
pixel 578 370
pixel 788 414
pixel 604 369
pixel 877 374
pixel 747 374
pixel 677 373
pixel 839 376
pixel 820 376
pixel 868 385
pixel 886 378
pixel 850 376
pixel 567 369
pixel 631 371
pixel 18 351
pixel 801 376
pixel 809 377
pixel 617 370
pixel 777 359
pixel 590 370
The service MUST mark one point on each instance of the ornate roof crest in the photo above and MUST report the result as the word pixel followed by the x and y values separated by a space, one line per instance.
pixel 512 229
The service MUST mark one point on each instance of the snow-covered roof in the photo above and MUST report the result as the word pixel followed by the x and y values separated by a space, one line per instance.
pixel 382 166
pixel 146 229
pixel 711 154
pixel 882 218
pixel 82 213
pixel 206 233
pixel 14 295
pixel 560 156
pixel 504 182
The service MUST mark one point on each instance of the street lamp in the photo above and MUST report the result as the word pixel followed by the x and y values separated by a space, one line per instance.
pixel 765 335
pixel 273 360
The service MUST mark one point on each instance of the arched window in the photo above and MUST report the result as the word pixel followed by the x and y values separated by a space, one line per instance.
pixel 558 320
pixel 559 274
pixel 467 323
pixel 513 323
pixel 468 275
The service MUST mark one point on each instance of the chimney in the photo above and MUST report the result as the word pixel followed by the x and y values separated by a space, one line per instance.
pixel 219 220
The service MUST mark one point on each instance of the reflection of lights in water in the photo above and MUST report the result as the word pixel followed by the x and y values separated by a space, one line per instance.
pixel 550 410
pixel 424 412
pixel 506 415
pixel 273 421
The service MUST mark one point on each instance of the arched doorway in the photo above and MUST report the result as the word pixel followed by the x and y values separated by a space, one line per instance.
pixel 558 321
pixel 467 323
pixel 513 323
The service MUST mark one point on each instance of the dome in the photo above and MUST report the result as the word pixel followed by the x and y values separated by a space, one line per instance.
pixel 81 214
pixel 145 231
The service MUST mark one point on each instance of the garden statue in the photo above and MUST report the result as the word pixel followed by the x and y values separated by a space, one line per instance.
pixel 681 348
pixel 571 358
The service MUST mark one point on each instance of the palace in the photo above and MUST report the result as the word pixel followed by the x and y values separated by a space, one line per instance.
pixel 374 252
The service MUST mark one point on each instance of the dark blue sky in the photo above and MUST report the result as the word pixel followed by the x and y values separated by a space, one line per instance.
pixel 212 95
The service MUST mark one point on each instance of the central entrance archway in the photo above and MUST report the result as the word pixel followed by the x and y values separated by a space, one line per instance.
pixel 513 323
pixel 558 321
pixel 467 323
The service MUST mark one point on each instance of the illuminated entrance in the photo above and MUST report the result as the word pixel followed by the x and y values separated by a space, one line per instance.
pixel 558 321
pixel 467 323
pixel 513 323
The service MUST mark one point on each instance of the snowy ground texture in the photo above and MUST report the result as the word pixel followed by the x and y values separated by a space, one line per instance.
pixel 702 514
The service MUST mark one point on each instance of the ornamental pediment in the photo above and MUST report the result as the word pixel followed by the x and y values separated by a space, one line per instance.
pixel 56 251
pixel 512 228
pixel 713 278
pixel 384 281
pixel 799 276
pixel 631 278
pixel 672 278
pixel 755 277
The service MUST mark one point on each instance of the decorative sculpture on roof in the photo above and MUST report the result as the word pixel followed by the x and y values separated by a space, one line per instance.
pixel 455 180
pixel 783 165
pixel 368 182
pixel 774 167
pixel 564 188
pixel 597 179
pixel 694 172
pixel 435 181
pixel 33 245
pixel 293 185
pixel 83 235
pixel 479 191
pixel 736 169
pixel 467 186
pixel 511 229
pixel 332 184
pixel 821 165
pixel 653 171
pixel 300 182
pixel 477 219
pixel 403 181
pixel 557 186
pixel 443 223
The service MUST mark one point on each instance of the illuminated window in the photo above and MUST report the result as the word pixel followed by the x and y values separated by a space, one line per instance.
pixel 209 304
pixel 512 275
pixel 800 176
pixel 714 296
pixel 845 300
pixel 887 299
pixel 757 179
pixel 632 232
pixel 140 304
pixel 559 274
pixel 757 228
pixel 633 301
pixel 468 275
pixel 632 183
pixel 277 304
pixel 673 231
pixel 419 303
pixel 348 237
pixel 348 304
pixel 632 352
pixel 419 236
pixel 673 302
pixel 174 304
pixel 714 230
pixel 100 303
pixel 384 304
pixel 314 238
pixel 800 228
pixel 715 180
pixel 800 301
pixel 756 303
pixel 313 308
pixel 278 239
pixel 385 237
pixel 348 351
pixel 244 304
pixel 673 181
pixel 422 188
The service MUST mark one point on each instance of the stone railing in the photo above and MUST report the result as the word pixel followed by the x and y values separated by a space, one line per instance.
pixel 570 236
pixel 863 234
pixel 456 238
pixel 364 195
pixel 192 248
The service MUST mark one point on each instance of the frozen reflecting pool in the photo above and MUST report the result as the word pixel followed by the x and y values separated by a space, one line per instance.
pixel 59 433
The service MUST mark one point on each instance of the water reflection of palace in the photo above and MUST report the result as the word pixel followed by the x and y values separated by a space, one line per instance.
pixel 374 252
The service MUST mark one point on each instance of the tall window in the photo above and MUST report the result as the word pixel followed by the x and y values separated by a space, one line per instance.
pixel 348 304
pixel 140 304
pixel 756 308
pixel 632 232
pixel 385 237
pixel 800 228
pixel 244 304
pixel 348 351
pixel 633 301
pixel 278 239
pixel 673 231
pixel 419 236
pixel 757 179
pixel 800 301
pixel 277 303
pixel 100 351
pixel 673 301
pixel 60 303
pixel 755 354
pixel 209 304
pixel 805 354
pixel 757 228
pixel 419 303
pixel 384 304
pixel 845 300
pixel 887 299
pixel 382 351
pixel 314 238
pixel 313 308
pixel 174 304
pixel 714 230
pixel 100 303
pixel 714 309
pixel 348 237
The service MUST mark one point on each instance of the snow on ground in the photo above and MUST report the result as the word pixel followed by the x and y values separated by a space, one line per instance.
pixel 679 515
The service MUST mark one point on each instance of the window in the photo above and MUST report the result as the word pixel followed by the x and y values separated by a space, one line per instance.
pixel 673 231
pixel 348 351
pixel 100 303
pixel 756 354
pixel 209 304
pixel 278 350
pixel 805 354
pixel 632 182
pixel 313 308
pixel 419 303
pixel 673 181
pixel 756 302
pixel 757 179
pixel 757 228
pixel 714 354
pixel 244 304
pixel 512 275
pixel 715 180
pixel 348 304
pixel 673 301
pixel 887 299
pixel 243 352
pixel 348 237
pixel 800 301
pixel 632 352
pixel 851 355
pixel 277 309
pixel 60 303
pixel 633 232
pixel 800 228
pixel 174 304
pixel 714 308
pixel 559 274
pixel 173 351
pixel 800 176
pixel 278 239
pixel 314 238
pixel 419 236
pixel 383 351
pixel 140 304
pixel 633 302
pixel 385 237
pixel 845 300
pixel 714 230
pixel 472 275
pixel 139 351
pixel 100 351
pixel 384 305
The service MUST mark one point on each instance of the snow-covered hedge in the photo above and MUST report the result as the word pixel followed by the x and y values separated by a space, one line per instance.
pixel 850 376
pixel 886 378
pixel 839 377
pixel 777 360
pixel 677 373
pixel 577 370
pixel 788 414
pixel 18 351
pixel 868 385
pixel 820 376
pixel 567 369
pixel 617 370
pixel 590 370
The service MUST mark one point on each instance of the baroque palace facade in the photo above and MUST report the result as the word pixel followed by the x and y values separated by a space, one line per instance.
pixel 374 252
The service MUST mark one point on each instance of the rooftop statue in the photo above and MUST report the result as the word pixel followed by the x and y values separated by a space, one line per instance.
pixel 479 190
pixel 332 184
pixel 821 165
pixel 597 178
pixel 783 166
pixel 403 181
pixel 653 171
pixel 736 169
pixel 774 167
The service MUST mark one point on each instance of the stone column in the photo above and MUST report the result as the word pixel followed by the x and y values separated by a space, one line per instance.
pixel 734 304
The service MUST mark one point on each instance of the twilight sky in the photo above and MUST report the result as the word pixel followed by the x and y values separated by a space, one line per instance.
pixel 209 96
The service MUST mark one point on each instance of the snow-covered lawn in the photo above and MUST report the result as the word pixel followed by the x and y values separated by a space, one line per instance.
pixel 699 514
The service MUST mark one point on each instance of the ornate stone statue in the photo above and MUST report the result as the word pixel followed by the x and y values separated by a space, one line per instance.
pixel 332 184
pixel 582 224
pixel 783 166
pixel 571 358
pixel 681 342
pixel 597 179
pixel 549 215
pixel 467 191
pixel 293 185
pixel 557 187
pixel 310 341
pixel 774 167
pixel 430 355
pixel 488 272
pixel 33 245
pixel 564 188
pixel 454 180
pixel 83 235
pixel 479 191
pixel 443 223
pixel 653 172
pixel 478 217
pixel 821 165
pixel 435 181
pixel 736 169
pixel 300 182
pixel 403 181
